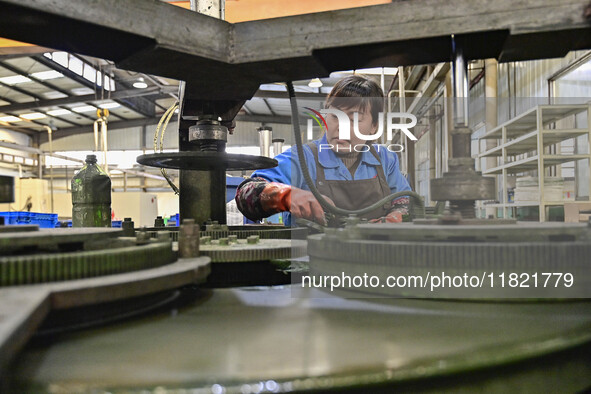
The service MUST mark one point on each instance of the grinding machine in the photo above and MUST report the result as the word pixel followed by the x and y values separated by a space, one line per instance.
pixel 171 331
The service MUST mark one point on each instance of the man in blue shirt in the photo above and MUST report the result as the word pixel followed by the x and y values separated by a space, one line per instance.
pixel 351 173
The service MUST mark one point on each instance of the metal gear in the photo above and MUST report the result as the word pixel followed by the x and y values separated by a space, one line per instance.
pixel 55 236
pixel 482 251
pixel 41 268
pixel 242 232
pixel 243 251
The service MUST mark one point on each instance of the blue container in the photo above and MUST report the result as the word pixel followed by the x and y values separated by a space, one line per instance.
pixel 116 223
pixel 10 217
pixel 67 222
pixel 43 220
pixel 173 220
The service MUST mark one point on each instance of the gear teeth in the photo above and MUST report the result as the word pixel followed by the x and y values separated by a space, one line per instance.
pixel 266 249
pixel 20 270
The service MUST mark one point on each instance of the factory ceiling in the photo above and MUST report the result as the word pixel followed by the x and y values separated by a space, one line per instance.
pixel 225 63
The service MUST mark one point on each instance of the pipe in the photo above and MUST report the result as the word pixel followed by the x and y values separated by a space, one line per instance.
pixel 459 85
pixel 265 138
pixel 50 140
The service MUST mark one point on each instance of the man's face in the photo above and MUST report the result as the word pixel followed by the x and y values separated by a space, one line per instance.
pixel 365 125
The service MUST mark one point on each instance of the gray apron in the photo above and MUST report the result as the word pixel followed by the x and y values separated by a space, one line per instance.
pixel 355 194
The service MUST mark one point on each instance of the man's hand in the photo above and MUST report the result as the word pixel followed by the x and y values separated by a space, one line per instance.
pixel 392 217
pixel 304 205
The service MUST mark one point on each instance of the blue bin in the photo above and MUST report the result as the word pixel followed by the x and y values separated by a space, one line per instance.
pixel 173 220
pixel 43 220
pixel 10 217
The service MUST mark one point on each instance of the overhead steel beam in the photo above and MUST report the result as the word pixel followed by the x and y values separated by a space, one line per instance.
pixel 265 119
pixel 84 82
pixel 77 99
pixel 227 62
pixel 66 132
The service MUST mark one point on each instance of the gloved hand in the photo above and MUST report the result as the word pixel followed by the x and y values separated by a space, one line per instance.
pixel 392 217
pixel 278 197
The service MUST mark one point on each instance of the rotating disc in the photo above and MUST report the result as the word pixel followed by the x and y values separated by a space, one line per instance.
pixel 206 161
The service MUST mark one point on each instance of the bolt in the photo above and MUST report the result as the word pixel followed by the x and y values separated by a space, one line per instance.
pixel 189 239
pixel 128 227
pixel 163 236
pixel 159 222
pixel 142 237
pixel 205 240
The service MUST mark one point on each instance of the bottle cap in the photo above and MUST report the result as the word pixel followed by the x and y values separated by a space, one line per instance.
pixel 90 159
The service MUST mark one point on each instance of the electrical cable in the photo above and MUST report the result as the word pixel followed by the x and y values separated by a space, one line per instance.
pixel 418 207
pixel 165 119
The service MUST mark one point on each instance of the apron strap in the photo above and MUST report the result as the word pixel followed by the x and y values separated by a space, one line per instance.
pixel 319 169
pixel 380 169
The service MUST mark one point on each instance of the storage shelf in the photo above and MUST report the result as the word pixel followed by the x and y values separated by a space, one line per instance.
pixel 531 163
pixel 529 133
pixel 518 204
pixel 528 121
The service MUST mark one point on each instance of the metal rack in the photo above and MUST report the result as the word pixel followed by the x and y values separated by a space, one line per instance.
pixel 528 133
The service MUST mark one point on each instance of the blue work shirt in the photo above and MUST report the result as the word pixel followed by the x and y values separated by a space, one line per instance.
pixel 289 170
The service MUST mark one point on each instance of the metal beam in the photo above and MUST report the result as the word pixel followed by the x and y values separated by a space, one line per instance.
pixel 225 61
pixel 266 119
pixel 84 82
pixel 77 99
pixel 61 133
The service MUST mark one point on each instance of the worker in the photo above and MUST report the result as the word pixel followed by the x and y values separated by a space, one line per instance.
pixel 348 176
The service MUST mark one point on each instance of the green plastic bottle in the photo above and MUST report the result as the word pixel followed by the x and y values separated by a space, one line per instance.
pixel 91 196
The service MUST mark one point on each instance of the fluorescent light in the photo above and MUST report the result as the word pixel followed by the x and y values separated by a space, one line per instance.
pixel 140 84
pixel 315 83
pixel 51 74
pixel 33 116
pixel 82 91
pixel 84 108
pixel 10 119
pixel 53 94
pixel 14 79
pixel 58 112
pixel 109 105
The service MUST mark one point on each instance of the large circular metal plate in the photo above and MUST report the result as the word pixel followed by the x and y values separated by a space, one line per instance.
pixel 269 340
pixel 54 236
pixel 205 161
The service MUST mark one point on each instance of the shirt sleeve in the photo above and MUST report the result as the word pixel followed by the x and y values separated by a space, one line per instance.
pixel 396 180
pixel 289 170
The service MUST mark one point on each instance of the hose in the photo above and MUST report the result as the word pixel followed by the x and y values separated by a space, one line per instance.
pixel 418 208
pixel 165 119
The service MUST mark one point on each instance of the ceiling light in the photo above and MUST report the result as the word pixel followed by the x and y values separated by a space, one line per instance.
pixel 10 119
pixel 109 105
pixel 82 91
pixel 58 112
pixel 315 83
pixel 14 79
pixel 33 116
pixel 84 108
pixel 140 84
pixel 43 75
pixel 52 94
